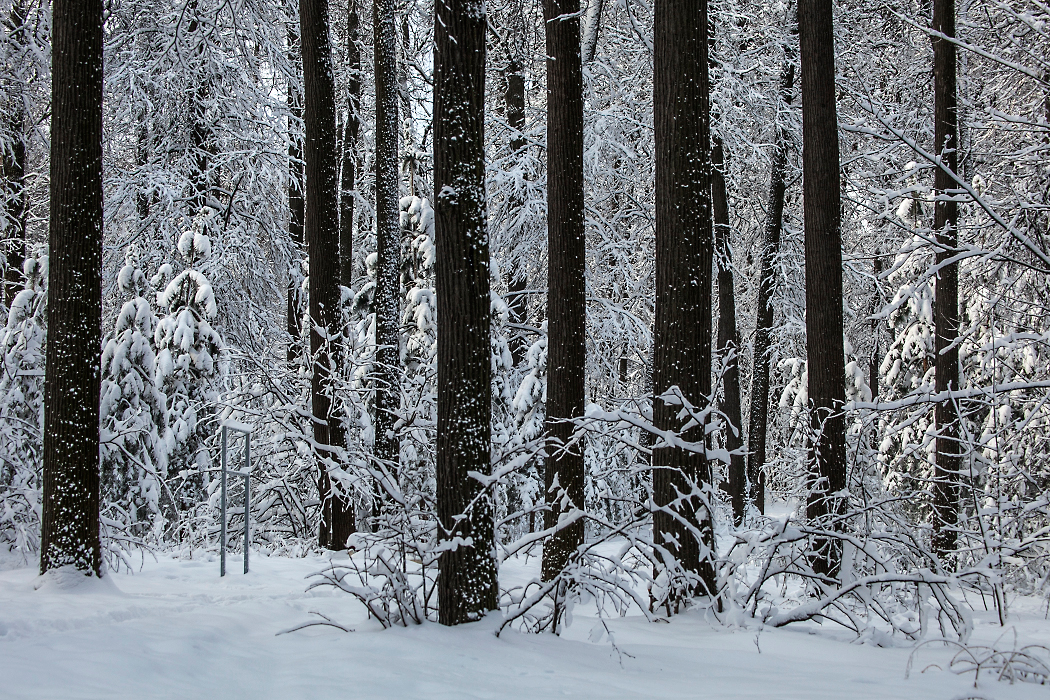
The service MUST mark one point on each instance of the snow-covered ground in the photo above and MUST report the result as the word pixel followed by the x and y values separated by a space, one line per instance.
pixel 174 629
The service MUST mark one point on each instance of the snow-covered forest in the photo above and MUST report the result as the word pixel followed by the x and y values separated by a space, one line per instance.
pixel 697 312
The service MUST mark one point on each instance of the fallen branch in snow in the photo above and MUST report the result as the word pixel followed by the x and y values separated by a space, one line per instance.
pixel 325 622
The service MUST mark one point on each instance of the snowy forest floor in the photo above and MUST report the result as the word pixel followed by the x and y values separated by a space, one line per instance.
pixel 174 629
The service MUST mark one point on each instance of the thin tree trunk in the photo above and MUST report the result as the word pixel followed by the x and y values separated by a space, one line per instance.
pixel 70 523
pixel 14 166
pixel 350 134
pixel 946 313
pixel 201 142
pixel 514 105
pixel 296 203
pixel 566 290
pixel 682 328
pixel 388 237
pixel 322 238
pixel 342 518
pixel 875 360
pixel 759 415
pixel 823 224
pixel 467 579
pixel 594 23
pixel 728 344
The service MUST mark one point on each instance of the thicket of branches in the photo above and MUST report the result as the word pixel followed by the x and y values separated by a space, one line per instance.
pixel 199 256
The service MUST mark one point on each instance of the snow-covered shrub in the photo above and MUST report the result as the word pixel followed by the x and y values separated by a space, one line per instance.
pixel 22 342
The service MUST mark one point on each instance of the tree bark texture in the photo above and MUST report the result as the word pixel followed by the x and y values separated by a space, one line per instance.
pixel 759 416
pixel 682 327
pixel 70 522
pixel 467 580
pixel 823 224
pixel 946 311
pixel 728 343
pixel 388 237
pixel 566 283
pixel 322 239
pixel 14 161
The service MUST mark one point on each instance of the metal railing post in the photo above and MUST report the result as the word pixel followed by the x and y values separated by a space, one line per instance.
pixel 222 527
pixel 247 495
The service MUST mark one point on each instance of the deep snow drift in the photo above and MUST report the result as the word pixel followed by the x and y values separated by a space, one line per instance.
pixel 174 629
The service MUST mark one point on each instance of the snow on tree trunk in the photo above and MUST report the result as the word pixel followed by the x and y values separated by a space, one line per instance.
pixel 70 524
pixel 682 521
pixel 566 280
pixel 946 316
pixel 467 579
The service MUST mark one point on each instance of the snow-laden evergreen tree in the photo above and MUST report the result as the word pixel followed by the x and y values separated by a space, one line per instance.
pixel 134 434
pixel 22 343
pixel 907 452
pixel 189 357
pixel 418 348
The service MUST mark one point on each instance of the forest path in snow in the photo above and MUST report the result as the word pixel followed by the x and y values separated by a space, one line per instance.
pixel 174 629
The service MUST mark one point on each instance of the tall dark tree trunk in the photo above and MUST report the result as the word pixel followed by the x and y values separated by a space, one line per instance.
pixel 876 350
pixel 514 106
pixel 322 239
pixel 594 24
pixel 14 164
pixel 70 524
pixel 350 133
pixel 566 296
pixel 682 328
pixel 467 579
pixel 759 416
pixel 142 155
pixel 728 343
pixel 566 290
pixel 388 236
pixel 946 313
pixel 342 518
pixel 296 203
pixel 823 224
pixel 202 145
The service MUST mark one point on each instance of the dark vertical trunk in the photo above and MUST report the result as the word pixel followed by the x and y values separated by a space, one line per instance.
pixel 946 312
pixel 728 343
pixel 296 203
pixel 70 523
pixel 14 167
pixel 388 237
pixel 876 351
pixel 142 154
pixel 823 223
pixel 594 24
pixel 350 133
pixel 201 142
pixel 514 105
pixel 759 416
pixel 342 516
pixel 467 579
pixel 566 292
pixel 682 328
pixel 322 239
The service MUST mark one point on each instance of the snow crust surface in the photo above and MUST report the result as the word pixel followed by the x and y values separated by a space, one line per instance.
pixel 174 629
